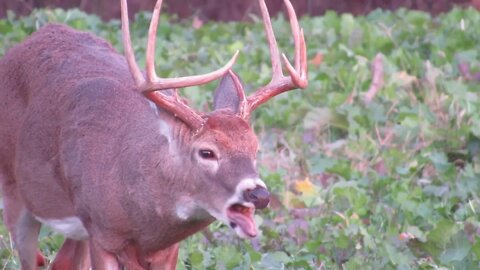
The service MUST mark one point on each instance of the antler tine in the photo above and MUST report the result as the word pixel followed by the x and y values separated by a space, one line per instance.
pixel 154 83
pixel 295 33
pixel 297 75
pixel 272 42
pixel 299 78
pixel 127 46
pixel 180 82
pixel 152 38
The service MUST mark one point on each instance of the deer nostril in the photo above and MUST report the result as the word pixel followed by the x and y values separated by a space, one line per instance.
pixel 259 196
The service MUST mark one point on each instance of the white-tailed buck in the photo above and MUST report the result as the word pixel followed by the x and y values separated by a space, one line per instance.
pixel 112 157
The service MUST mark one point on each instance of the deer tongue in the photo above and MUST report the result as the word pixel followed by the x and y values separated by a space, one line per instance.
pixel 242 217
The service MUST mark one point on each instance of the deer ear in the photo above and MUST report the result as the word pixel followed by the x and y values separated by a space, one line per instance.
pixel 227 93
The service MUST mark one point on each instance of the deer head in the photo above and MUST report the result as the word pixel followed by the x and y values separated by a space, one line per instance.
pixel 221 144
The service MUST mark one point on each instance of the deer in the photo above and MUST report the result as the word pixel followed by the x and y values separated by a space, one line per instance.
pixel 113 158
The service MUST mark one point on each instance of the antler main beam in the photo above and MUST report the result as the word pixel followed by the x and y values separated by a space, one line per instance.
pixel 297 74
pixel 153 83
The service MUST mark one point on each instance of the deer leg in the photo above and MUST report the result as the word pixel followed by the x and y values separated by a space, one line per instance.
pixel 130 258
pixel 26 238
pixel 14 208
pixel 72 255
pixel 102 259
pixel 165 259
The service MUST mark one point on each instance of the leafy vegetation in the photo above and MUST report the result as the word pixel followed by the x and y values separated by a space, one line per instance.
pixel 390 182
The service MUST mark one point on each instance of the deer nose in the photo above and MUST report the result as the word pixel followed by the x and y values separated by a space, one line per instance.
pixel 259 196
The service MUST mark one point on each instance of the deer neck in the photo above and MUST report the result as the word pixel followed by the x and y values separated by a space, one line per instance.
pixel 162 161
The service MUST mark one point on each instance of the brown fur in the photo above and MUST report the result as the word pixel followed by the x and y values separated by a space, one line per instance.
pixel 77 140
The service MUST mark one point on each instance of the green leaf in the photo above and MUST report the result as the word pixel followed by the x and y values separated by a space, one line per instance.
pixel 457 249
pixel 443 231
pixel 320 164
pixel 476 247
pixel 317 118
pixel 275 260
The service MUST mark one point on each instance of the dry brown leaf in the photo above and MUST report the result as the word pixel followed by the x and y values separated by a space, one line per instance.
pixel 317 59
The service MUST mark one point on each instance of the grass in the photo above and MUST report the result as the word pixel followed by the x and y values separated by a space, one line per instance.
pixel 386 183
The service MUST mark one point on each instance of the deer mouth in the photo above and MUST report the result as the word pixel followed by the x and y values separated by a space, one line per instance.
pixel 240 217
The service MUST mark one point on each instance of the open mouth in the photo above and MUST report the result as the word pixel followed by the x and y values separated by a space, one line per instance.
pixel 240 217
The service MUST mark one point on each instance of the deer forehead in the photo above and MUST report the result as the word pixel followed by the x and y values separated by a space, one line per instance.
pixel 230 133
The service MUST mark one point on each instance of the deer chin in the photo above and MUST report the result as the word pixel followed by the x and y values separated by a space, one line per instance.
pixel 240 218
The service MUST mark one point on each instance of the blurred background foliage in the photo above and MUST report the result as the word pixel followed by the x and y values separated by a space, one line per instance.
pixel 362 178
pixel 233 10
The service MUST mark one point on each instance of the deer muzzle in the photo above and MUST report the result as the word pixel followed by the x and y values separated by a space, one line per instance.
pixel 251 194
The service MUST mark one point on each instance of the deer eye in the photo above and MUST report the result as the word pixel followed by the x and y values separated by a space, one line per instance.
pixel 207 154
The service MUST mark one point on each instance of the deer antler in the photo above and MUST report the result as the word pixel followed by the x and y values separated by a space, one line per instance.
pixel 152 82
pixel 297 75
